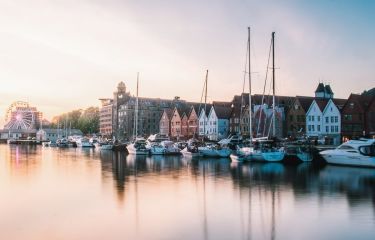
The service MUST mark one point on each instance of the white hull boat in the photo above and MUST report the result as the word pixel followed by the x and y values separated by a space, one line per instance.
pixel 213 152
pixel 353 153
pixel 187 153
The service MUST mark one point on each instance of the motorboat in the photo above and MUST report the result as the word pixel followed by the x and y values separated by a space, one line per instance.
pixel 214 150
pixel 138 147
pixel 164 148
pixel 354 153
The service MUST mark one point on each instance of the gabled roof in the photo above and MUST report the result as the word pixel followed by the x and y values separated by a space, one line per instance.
pixel 222 112
pixel 322 103
pixel 364 101
pixel 196 107
pixel 305 102
pixel 339 102
pixel 169 113
pixel 207 110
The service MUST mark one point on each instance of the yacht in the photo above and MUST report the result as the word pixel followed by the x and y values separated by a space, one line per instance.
pixel 138 147
pixel 354 152
pixel 164 148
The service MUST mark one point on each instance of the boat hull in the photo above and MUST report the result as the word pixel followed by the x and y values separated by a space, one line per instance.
pixel 334 157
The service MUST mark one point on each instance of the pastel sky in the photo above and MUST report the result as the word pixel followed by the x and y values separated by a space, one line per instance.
pixel 65 54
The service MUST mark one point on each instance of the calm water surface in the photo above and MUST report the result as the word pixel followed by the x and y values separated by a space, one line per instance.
pixel 49 193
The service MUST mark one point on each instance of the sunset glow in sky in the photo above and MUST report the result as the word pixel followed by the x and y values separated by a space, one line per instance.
pixel 63 55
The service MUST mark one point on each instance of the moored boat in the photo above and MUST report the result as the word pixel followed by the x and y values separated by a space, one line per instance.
pixel 354 153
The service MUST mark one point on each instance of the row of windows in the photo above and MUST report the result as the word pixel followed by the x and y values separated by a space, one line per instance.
pixel 332 129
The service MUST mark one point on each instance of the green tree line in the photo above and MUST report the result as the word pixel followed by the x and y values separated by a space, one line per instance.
pixel 86 120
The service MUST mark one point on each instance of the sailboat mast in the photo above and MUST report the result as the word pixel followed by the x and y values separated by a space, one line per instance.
pixel 250 112
pixel 136 109
pixel 273 86
pixel 205 104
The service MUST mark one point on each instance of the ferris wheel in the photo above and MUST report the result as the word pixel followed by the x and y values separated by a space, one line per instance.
pixel 19 116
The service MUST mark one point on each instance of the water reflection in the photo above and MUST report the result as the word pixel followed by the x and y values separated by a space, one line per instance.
pixel 177 198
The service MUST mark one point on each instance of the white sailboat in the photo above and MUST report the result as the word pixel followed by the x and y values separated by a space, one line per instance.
pixel 138 147
pixel 211 150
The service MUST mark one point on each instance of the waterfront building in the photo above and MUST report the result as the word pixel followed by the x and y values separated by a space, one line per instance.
pixel 17 134
pixel 150 111
pixel 203 120
pixel 263 121
pixel 370 119
pixel 193 125
pixel 323 118
pixel 179 122
pixel 296 116
pixel 354 116
pixel 165 122
pixel 106 117
pixel 52 134
pixel 218 122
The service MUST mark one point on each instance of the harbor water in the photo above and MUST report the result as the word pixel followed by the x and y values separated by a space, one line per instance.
pixel 52 193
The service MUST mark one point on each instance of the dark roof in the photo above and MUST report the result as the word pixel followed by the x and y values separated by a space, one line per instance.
pixel 328 89
pixel 222 112
pixel 305 102
pixel 208 108
pixel 218 103
pixel 320 88
pixel 169 113
pixel 322 103
pixel 370 92
pixel 364 101
pixel 339 102
pixel 196 107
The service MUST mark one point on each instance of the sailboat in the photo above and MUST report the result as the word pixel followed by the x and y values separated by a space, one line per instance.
pixel 265 149
pixel 138 147
pixel 261 149
pixel 244 152
pixel 211 149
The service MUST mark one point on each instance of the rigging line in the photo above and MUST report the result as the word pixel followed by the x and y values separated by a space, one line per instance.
pixel 200 103
pixel 264 86
pixel 244 83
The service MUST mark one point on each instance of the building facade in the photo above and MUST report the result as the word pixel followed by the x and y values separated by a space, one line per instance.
pixel 296 116
pixel 106 117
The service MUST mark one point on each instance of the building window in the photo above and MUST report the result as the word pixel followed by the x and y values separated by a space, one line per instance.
pixel 327 129
pixel 313 118
pixel 332 119
pixel 318 128
pixel 336 119
pixel 309 118
pixel 337 129
pixel 318 118
pixel 332 129
pixel 313 128
pixel 327 120
pixel 309 127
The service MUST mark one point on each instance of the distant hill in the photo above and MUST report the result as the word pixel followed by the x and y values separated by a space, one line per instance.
pixel 370 92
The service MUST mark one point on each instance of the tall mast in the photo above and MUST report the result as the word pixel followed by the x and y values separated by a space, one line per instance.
pixel 205 104
pixel 136 109
pixel 250 112
pixel 273 86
